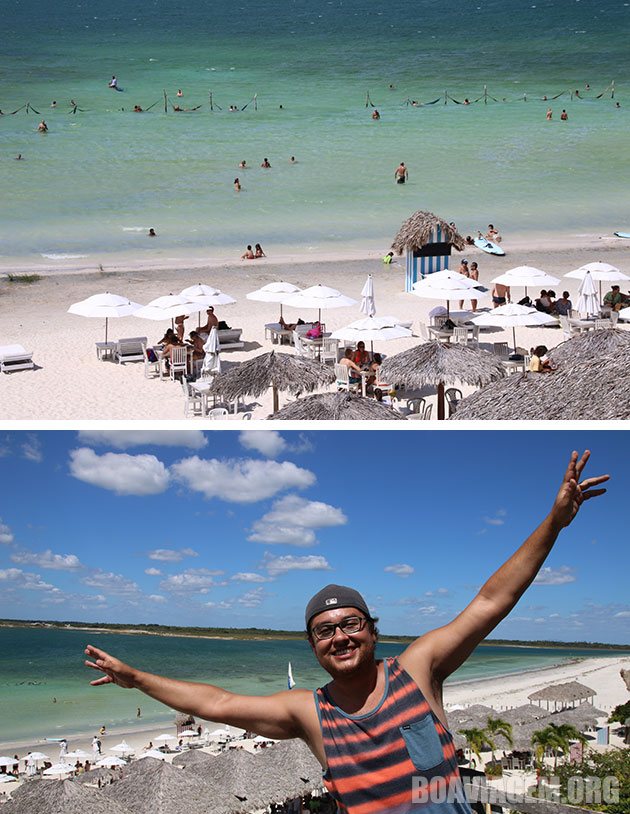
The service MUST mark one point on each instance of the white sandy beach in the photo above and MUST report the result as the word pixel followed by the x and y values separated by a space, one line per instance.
pixel 70 383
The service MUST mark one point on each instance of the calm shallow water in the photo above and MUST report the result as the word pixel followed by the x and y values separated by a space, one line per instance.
pixel 39 665
pixel 99 178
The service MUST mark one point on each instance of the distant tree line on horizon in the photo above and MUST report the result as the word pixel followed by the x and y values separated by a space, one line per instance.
pixel 271 633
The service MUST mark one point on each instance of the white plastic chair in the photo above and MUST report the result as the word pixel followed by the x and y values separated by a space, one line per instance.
pixel 342 372
pixel 218 413
pixel 193 402
pixel 151 366
pixel 178 357
pixel 426 416
pixel 246 416
pixel 422 330
pixel 329 351
pixel 601 324
pixel 453 396
pixel 460 335
pixel 614 318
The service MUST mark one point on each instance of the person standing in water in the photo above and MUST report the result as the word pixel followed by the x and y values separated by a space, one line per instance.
pixel 401 173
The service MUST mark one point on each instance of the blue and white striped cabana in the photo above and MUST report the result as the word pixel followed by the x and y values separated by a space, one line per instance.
pixel 426 241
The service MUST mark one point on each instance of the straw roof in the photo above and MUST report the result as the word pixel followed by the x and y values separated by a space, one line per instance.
pixel 152 786
pixel 435 362
pixel 336 407
pixel 563 693
pixel 590 384
pixel 101 773
pixel 287 770
pixel 60 797
pixel 293 374
pixel 192 758
pixel 525 714
pixel 416 232
pixel 581 717
pixel 183 719
pixel 235 777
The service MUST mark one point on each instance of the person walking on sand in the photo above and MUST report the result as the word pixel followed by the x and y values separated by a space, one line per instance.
pixel 378 727
pixel 401 173
pixel 473 274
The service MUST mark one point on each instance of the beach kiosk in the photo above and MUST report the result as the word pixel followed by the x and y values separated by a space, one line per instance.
pixel 426 241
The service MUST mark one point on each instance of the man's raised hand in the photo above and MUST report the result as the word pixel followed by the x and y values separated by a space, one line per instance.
pixel 116 671
pixel 574 491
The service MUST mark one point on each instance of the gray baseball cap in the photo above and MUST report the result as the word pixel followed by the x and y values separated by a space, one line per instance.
pixel 335 596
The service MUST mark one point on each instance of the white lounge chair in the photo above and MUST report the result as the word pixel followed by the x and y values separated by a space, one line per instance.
pixel 130 349
pixel 15 357
pixel 230 339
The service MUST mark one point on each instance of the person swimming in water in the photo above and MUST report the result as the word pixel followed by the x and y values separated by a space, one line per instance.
pixel 42 127
pixel 113 83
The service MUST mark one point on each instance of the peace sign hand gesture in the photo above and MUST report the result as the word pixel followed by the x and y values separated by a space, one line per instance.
pixel 574 492
pixel 116 671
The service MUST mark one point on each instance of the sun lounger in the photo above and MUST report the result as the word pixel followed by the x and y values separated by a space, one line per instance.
pixel 15 357
pixel 130 349
pixel 230 339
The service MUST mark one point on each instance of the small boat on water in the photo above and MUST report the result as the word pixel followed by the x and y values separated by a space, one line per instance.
pixel 622 234
pixel 290 681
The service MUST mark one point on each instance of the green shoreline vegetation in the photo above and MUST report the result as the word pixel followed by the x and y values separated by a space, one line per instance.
pixel 268 634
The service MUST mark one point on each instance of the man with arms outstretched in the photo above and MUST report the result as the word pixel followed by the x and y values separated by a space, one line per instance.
pixel 378 728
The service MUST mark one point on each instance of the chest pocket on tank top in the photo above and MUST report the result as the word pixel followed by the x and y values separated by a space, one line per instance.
pixel 423 743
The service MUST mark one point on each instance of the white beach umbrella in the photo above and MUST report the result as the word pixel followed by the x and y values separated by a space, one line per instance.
pixel 273 292
pixel 152 753
pixel 7 761
pixel 602 272
pixel 588 301
pixel 511 316
pixel 110 761
pixel 212 360
pixel 165 737
pixel 106 305
pixel 219 734
pixel 207 295
pixel 368 306
pixel 448 285
pixel 373 329
pixel 35 757
pixel 59 769
pixel 169 307
pixel 78 754
pixel 320 297
pixel 122 748
pixel 188 733
pixel 624 313
pixel 525 276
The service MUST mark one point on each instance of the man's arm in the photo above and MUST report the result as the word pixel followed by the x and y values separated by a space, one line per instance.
pixel 283 715
pixel 440 652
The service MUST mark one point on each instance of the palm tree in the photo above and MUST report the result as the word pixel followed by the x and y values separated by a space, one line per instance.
pixel 564 734
pixel 498 728
pixel 476 739
pixel 544 740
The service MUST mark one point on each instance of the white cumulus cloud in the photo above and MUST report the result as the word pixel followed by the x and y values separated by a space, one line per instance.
pixel 46 559
pixel 157 598
pixel 555 576
pixel 622 614
pixel 280 565
pixel 400 569
pixel 6 535
pixel 249 576
pixel 32 449
pixel 268 442
pixel 194 580
pixel 243 481
pixel 15 577
pixel 124 439
pixel 171 555
pixel 120 473
pixel 111 583
pixel 153 572
pixel 253 598
pixel 292 519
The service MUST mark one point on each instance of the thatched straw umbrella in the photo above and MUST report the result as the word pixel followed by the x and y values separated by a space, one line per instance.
pixel 417 230
pixel 589 383
pixel 153 787
pixel 439 364
pixel 65 797
pixel 336 407
pixel 280 371
pixel 235 776
pixel 525 714
pixel 192 758
pixel 288 770
pixel 103 774
pixel 581 717
pixel 563 694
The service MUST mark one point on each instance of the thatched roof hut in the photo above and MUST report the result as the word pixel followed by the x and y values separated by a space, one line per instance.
pixel 563 694
pixel 280 371
pixel 235 776
pixel 183 720
pixel 589 384
pixel 60 797
pixel 288 770
pixel 438 364
pixel 581 717
pixel 336 407
pixel 418 229
pixel 525 714
pixel 192 758
pixel 152 786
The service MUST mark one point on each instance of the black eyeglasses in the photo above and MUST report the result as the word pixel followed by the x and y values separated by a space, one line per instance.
pixel 351 624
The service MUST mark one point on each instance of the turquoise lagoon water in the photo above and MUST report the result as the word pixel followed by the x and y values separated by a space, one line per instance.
pixel 38 665
pixel 99 178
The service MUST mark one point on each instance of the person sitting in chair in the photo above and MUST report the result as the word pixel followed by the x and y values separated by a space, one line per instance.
pixel 354 374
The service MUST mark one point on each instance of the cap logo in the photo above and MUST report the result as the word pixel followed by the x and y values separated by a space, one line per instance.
pixel 332 601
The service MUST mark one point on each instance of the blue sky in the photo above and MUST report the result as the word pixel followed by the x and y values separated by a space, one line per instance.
pixel 239 529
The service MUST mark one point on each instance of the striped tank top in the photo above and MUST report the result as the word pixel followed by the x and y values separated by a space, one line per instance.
pixel 396 758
